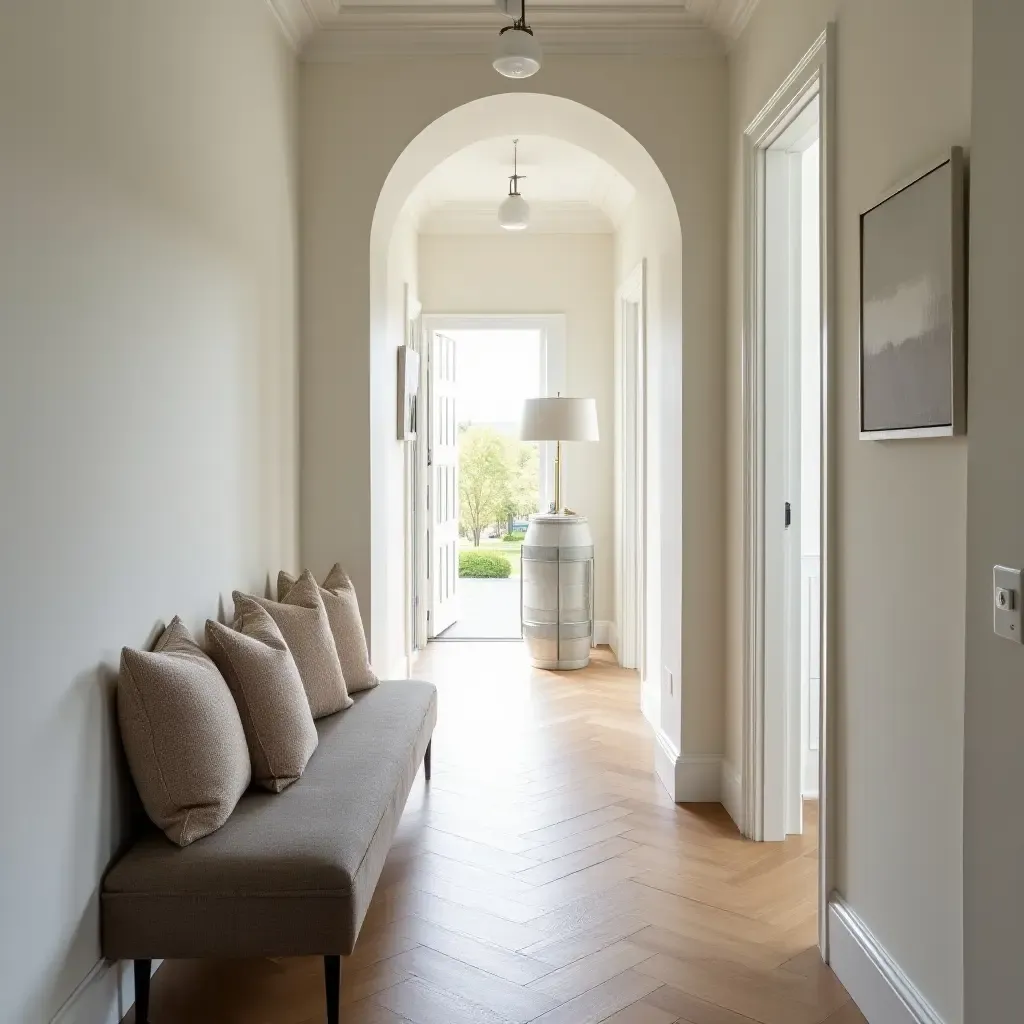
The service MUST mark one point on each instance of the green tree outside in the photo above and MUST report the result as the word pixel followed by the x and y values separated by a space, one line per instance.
pixel 497 480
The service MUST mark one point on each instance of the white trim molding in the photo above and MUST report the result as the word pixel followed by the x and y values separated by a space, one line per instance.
pixel 104 996
pixel 877 984
pixel 813 77
pixel 296 20
pixel 454 29
pixel 331 30
pixel 695 779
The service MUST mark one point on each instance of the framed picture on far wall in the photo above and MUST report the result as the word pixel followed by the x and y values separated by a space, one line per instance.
pixel 913 318
pixel 408 393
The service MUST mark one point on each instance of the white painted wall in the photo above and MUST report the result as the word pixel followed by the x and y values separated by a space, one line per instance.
pixel 903 95
pixel 148 407
pixel 993 831
pixel 540 273
pixel 357 119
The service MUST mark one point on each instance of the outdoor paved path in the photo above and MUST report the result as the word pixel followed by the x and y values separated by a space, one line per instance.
pixel 488 610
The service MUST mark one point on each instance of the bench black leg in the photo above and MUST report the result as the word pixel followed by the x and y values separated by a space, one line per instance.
pixel 426 761
pixel 332 981
pixel 143 972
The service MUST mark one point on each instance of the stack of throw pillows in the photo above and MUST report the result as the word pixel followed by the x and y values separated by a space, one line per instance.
pixel 198 728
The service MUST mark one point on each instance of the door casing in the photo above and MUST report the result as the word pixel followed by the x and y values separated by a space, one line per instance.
pixel 551 327
pixel 763 756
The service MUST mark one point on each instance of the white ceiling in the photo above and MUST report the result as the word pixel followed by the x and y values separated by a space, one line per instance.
pixel 568 188
pixel 340 29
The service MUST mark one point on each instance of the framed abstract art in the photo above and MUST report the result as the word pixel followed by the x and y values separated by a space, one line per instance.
pixel 913 317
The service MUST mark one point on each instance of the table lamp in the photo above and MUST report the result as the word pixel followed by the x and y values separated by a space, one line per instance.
pixel 559 419
pixel 557 576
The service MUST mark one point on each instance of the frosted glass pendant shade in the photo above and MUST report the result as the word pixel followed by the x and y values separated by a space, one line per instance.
pixel 518 54
pixel 514 213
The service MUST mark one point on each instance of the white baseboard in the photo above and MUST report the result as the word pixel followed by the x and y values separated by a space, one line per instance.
pixel 104 996
pixel 689 780
pixel 605 634
pixel 732 793
pixel 884 994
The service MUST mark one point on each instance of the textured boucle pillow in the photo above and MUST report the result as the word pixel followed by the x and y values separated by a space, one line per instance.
pixel 261 672
pixel 339 597
pixel 182 734
pixel 302 619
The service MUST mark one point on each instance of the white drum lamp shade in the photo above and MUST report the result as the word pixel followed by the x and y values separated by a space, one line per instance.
pixel 559 419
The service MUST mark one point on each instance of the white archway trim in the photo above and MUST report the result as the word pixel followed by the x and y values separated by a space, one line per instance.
pixel 656 218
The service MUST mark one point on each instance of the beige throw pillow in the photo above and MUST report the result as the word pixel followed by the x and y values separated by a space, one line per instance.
pixel 265 683
pixel 303 621
pixel 182 734
pixel 339 597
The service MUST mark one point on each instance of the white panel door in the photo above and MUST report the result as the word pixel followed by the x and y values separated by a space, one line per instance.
pixel 443 498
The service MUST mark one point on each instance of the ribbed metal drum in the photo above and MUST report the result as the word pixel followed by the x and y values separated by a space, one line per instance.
pixel 558 591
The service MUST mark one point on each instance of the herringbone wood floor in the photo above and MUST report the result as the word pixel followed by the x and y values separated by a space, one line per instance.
pixel 545 876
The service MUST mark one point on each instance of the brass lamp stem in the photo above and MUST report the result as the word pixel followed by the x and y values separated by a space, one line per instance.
pixel 558 476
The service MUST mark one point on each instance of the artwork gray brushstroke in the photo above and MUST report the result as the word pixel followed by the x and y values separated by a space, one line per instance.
pixel 908 308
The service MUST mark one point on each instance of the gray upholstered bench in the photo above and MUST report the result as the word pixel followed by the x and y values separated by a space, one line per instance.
pixel 289 874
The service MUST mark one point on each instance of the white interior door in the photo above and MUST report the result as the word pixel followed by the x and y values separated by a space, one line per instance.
pixel 785 658
pixel 443 488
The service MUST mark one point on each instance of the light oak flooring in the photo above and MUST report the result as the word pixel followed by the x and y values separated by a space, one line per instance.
pixel 545 876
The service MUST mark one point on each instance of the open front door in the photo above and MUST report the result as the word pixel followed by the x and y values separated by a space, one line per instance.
pixel 443 493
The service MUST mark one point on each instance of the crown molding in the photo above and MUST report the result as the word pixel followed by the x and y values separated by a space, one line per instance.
pixel 326 31
pixel 546 218
pixel 737 20
pixel 451 30
pixel 726 17
pixel 296 19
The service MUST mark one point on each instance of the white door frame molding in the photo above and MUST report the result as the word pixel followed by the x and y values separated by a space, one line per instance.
pixel 631 475
pixel 415 488
pixel 813 77
pixel 552 375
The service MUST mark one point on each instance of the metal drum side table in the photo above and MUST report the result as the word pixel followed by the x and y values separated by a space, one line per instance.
pixel 557 584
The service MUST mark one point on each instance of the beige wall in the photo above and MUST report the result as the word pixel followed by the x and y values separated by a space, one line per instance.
pixel 147 397
pixel 993 833
pixel 903 95
pixel 537 273
pixel 357 119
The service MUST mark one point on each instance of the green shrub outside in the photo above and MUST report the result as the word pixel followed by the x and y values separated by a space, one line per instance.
pixel 484 565
pixel 514 538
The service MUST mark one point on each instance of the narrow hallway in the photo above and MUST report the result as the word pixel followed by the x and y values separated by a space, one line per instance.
pixel 546 876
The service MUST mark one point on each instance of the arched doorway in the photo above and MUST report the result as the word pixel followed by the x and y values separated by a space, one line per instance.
pixel 650 237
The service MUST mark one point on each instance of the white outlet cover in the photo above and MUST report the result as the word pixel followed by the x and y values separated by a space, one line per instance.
pixel 1006 603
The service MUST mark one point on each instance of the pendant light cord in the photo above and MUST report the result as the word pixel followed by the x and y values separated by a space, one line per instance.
pixel 514 177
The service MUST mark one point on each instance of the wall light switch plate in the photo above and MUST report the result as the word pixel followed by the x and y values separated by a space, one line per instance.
pixel 1006 603
pixel 669 682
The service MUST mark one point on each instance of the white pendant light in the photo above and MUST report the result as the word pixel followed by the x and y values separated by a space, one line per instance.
pixel 514 212
pixel 518 54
